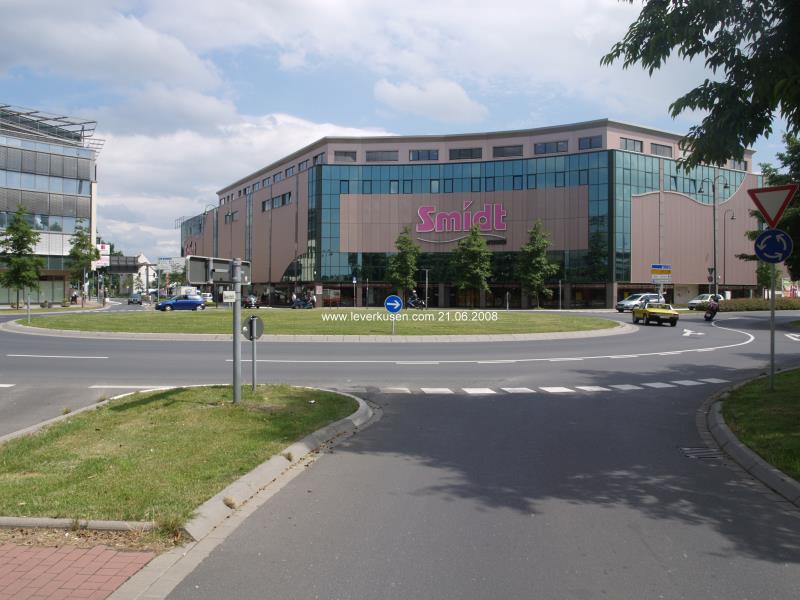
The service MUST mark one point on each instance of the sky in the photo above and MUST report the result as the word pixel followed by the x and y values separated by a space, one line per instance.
pixel 191 95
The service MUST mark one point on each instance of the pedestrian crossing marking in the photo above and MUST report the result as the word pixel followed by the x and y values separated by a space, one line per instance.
pixel 592 388
pixel 7 385
pixel 436 390
pixel 687 382
pixel 395 390
pixel 713 380
pixel 658 384
pixel 557 390
pixel 479 391
pixel 626 387
pixel 518 390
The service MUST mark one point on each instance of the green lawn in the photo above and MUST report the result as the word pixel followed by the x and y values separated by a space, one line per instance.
pixel 320 322
pixel 156 456
pixel 769 422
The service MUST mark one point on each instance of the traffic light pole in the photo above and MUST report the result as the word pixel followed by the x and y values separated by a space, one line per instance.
pixel 236 265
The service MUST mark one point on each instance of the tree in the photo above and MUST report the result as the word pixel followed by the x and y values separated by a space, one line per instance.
pixel 755 46
pixel 403 265
pixel 17 246
pixel 472 262
pixel 532 264
pixel 138 283
pixel 81 254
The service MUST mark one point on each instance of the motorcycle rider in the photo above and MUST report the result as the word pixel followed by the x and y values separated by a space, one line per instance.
pixel 414 299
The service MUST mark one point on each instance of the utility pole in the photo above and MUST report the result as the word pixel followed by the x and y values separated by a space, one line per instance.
pixel 236 265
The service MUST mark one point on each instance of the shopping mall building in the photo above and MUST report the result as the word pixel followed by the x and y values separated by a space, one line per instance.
pixel 610 195
pixel 47 165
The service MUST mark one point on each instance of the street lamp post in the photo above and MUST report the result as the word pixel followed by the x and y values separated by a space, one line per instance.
pixel 713 182
pixel 724 246
pixel 426 286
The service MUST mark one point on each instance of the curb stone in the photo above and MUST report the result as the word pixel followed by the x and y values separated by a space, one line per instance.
pixel 776 480
pixel 619 329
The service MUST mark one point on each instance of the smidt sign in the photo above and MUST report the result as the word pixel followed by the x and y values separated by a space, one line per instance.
pixel 489 219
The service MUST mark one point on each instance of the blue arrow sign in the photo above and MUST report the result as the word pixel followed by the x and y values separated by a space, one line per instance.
pixel 393 304
pixel 773 246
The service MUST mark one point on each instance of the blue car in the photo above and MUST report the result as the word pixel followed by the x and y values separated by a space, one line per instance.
pixel 183 302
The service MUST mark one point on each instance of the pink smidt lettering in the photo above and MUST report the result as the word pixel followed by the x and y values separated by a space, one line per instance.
pixel 490 218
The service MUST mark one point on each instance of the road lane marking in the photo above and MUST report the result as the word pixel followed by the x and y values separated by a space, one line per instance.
pixel 689 332
pixel 659 385
pixel 557 390
pixel 687 382
pixel 479 391
pixel 128 387
pixel 626 387
pixel 592 388
pixel 496 362
pixel 416 362
pixel 52 356
pixel 436 390
pixel 562 359
pixel 395 390
pixel 713 380
pixel 7 385
pixel 518 390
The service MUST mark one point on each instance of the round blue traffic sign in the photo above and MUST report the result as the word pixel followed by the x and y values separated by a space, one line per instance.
pixel 773 246
pixel 393 304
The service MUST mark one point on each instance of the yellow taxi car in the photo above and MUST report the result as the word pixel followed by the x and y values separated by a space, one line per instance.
pixel 658 312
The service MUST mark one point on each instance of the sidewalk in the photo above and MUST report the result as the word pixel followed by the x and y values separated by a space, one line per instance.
pixel 61 572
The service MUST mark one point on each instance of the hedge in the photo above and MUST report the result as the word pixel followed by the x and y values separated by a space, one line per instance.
pixel 744 304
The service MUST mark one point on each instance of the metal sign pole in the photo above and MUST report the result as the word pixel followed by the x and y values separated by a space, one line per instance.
pixel 772 328
pixel 253 338
pixel 237 343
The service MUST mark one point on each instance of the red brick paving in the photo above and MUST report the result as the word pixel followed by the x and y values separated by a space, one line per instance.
pixel 65 572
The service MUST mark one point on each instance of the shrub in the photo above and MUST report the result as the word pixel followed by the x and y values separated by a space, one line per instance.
pixel 745 304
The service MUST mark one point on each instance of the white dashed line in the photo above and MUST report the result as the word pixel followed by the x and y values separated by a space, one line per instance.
pixel 416 362
pixel 52 356
pixel 658 385
pixel 592 388
pixel 626 387
pixel 436 390
pixel 395 390
pixel 713 380
pixel 520 390
pixel 563 359
pixel 557 390
pixel 687 382
pixel 479 391
pixel 7 385
pixel 496 362
pixel 127 387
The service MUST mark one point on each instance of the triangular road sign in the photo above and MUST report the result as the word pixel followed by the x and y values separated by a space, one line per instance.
pixel 772 201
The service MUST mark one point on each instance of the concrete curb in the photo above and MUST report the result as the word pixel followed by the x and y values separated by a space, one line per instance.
pixel 620 329
pixel 757 467
pixel 215 510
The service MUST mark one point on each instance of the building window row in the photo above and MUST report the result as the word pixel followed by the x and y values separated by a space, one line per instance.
pixel 276 201
pixel 381 156
pixel 661 150
pixel 45 183
pixel 590 143
pixel 13 142
pixel 551 147
pixel 739 165
pixel 53 223
pixel 631 145
pixel 506 151
pixel 416 155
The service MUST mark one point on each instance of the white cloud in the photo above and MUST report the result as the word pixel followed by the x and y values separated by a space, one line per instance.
pixel 440 100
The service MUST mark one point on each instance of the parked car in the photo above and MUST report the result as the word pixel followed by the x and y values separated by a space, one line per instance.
pixel 702 299
pixel 638 300
pixel 182 302
pixel 135 299
pixel 207 297
pixel 250 302
pixel 658 312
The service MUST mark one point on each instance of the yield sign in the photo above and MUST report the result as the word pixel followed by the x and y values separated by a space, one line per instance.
pixel 772 201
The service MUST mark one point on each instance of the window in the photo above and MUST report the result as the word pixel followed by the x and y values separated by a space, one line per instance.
pixel 267 181
pixel 489 184
pixel 465 153
pixel 266 205
pixel 319 159
pixel 434 186
pixel 631 145
pixel 302 165
pixel 277 177
pixel 517 182
pixel 393 186
pixel 290 171
pixel 407 186
pixel 256 186
pixel 739 165
pixel 366 186
pixel 506 151
pixel 344 186
pixel 661 150
pixel 240 193
pixel 381 155
pixel 550 147
pixel 423 155
pixel 344 156
pixel 588 143
pixel 448 186
pixel 475 184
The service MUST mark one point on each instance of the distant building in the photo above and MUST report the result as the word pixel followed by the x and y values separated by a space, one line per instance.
pixel 47 164
pixel 610 195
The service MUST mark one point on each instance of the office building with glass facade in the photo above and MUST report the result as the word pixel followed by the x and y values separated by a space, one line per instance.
pixel 610 195
pixel 47 165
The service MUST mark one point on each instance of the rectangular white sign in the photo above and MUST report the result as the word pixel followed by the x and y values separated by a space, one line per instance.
pixel 229 296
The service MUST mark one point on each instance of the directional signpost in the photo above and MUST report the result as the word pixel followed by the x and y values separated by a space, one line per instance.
pixel 659 275
pixel 773 246
pixel 393 304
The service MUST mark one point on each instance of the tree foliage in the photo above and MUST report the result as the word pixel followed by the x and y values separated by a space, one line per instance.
pixel 472 262
pixel 82 253
pixel 532 264
pixel 17 253
pixel 403 265
pixel 753 49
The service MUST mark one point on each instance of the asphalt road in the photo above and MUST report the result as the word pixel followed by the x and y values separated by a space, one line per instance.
pixel 513 470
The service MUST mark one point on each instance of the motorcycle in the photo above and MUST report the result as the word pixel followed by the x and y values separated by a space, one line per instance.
pixel 711 311
pixel 418 303
pixel 303 303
